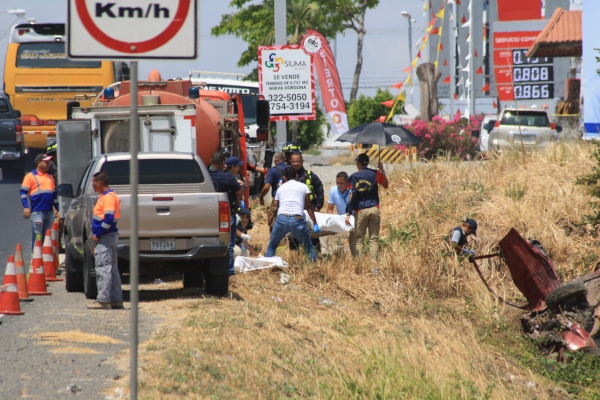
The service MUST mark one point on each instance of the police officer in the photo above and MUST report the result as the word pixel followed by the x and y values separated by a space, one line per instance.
pixel 317 194
pixel 458 237
pixel 226 183
pixel 107 212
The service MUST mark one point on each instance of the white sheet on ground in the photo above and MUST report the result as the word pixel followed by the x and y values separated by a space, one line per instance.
pixel 330 224
pixel 246 264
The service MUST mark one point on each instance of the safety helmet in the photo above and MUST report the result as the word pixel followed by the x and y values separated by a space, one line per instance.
pixel 51 148
pixel 291 146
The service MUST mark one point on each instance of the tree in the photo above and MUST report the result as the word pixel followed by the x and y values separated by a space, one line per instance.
pixel 428 78
pixel 310 133
pixel 254 24
pixel 367 109
pixel 351 14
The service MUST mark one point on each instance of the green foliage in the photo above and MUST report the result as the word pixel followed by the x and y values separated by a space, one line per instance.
pixel 515 190
pixel 367 109
pixel 310 133
pixel 592 181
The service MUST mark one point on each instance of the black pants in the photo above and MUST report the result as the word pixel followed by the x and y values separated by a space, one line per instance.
pixel 295 245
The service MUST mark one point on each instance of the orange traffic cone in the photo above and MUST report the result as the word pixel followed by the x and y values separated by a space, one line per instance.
pixel 37 279
pixel 48 258
pixel 55 245
pixel 9 293
pixel 21 277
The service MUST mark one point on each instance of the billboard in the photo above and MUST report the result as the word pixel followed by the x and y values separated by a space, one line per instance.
pixel 286 79
pixel 591 66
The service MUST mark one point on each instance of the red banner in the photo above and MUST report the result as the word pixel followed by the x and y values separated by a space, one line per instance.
pixel 329 80
pixel 519 10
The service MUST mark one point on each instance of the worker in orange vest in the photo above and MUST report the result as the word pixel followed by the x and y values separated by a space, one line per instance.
pixel 107 212
pixel 40 187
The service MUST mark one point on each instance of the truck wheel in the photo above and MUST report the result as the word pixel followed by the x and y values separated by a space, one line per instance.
pixel 216 276
pixel 193 279
pixel 566 292
pixel 73 272
pixel 89 281
pixel 217 285
pixel 259 182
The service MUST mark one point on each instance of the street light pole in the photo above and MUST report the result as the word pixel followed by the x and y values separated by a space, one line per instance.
pixel 407 15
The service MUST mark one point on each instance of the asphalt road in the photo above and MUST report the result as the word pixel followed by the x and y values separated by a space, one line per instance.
pixel 58 347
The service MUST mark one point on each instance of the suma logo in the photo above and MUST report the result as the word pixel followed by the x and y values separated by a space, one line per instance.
pixel 274 62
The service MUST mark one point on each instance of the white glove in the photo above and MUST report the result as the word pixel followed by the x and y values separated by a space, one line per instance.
pixel 246 237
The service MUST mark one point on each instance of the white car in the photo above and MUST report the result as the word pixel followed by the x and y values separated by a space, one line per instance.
pixel 484 133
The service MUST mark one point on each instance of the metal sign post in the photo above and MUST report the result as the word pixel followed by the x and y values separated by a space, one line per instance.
pixel 133 30
pixel 134 138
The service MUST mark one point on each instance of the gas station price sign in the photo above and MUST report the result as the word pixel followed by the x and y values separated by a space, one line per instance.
pixel 533 78
pixel 286 80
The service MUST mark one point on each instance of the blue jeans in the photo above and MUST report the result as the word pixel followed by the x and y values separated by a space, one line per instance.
pixel 108 279
pixel 295 225
pixel 232 245
pixel 41 221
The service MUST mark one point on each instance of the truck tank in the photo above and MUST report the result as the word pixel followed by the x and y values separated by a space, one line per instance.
pixel 208 118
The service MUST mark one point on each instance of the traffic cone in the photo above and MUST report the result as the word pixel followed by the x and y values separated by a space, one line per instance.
pixel 9 293
pixel 48 258
pixel 21 277
pixel 37 279
pixel 55 245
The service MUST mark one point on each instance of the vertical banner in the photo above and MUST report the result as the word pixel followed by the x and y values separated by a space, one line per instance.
pixel 591 69
pixel 316 45
pixel 285 77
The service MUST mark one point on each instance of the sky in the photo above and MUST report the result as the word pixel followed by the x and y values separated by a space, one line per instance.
pixel 385 50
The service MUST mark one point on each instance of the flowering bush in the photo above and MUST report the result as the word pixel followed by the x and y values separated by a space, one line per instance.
pixel 452 137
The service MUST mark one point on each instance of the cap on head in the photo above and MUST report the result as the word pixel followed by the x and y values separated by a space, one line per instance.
pixel 42 157
pixel 472 224
pixel 243 211
pixel 233 162
pixel 362 158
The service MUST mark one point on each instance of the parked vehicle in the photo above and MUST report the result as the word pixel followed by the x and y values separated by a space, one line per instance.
pixel 12 156
pixel 530 127
pixel 256 144
pixel 41 80
pixel 183 222
pixel 487 125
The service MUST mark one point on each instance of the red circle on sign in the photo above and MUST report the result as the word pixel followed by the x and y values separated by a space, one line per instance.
pixel 138 47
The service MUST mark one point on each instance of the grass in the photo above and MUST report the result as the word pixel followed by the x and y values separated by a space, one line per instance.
pixel 418 323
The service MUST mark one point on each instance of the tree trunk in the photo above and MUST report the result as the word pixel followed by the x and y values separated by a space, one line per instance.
pixel 359 61
pixel 294 131
pixel 428 78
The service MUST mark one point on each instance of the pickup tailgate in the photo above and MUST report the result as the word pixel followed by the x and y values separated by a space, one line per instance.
pixel 178 211
pixel 8 138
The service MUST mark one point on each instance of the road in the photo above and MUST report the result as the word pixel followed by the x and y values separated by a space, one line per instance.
pixel 59 345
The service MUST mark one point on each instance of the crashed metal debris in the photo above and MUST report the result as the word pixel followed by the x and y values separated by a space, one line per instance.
pixel 559 315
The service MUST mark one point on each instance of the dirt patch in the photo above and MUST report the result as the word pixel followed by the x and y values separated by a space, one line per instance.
pixel 74 350
pixel 57 338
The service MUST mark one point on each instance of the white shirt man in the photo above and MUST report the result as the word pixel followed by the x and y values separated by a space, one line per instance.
pixel 292 198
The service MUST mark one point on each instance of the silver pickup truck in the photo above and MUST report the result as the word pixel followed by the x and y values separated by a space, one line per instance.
pixel 183 222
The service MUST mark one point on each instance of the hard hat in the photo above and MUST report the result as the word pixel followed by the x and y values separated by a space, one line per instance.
pixel 291 146
pixel 51 147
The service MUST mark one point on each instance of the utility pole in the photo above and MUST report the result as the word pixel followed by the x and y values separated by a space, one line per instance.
pixel 471 63
pixel 280 39
pixel 407 15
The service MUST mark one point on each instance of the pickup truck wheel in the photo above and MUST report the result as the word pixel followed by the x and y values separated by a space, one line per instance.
pixel 217 285
pixel 193 279
pixel 73 273
pixel 89 281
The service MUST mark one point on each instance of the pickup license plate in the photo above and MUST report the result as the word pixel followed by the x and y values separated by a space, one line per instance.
pixel 162 244
pixel 527 139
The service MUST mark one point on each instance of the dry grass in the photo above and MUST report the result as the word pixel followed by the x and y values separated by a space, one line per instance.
pixel 415 324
